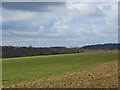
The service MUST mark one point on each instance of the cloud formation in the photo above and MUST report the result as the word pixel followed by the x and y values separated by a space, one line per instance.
pixel 59 24
pixel 32 6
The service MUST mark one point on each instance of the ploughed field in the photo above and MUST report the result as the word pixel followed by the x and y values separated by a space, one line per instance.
pixel 82 70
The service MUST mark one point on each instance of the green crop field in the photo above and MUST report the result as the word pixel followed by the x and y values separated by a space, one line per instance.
pixel 21 70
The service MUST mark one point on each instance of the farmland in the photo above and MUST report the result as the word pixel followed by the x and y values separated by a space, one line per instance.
pixel 64 70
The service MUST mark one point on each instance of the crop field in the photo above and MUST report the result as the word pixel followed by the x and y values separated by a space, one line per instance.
pixel 93 69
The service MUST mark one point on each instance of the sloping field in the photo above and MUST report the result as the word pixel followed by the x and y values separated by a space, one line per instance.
pixel 67 70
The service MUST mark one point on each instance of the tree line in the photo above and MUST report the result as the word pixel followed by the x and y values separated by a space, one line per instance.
pixel 15 51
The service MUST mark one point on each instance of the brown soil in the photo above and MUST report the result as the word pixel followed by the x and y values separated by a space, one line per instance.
pixel 102 76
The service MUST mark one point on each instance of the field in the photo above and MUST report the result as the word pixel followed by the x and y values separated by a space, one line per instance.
pixel 93 69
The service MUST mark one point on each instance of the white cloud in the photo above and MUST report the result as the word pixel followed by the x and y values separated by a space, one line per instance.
pixel 9 15
pixel 84 8
pixel 111 12
pixel 24 33
pixel 41 27
pixel 80 22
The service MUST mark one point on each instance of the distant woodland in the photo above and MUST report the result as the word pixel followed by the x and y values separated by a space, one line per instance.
pixel 15 51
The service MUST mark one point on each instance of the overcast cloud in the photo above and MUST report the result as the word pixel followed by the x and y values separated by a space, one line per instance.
pixel 59 23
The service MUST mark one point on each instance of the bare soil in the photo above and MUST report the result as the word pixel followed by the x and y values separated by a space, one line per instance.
pixel 103 75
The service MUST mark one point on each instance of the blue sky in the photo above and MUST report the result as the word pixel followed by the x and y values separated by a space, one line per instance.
pixel 70 24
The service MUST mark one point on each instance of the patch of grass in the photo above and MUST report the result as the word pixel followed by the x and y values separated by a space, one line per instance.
pixel 28 69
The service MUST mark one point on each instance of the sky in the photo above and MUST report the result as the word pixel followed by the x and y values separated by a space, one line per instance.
pixel 69 24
